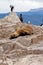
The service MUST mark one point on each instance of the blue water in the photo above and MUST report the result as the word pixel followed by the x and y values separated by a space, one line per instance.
pixel 34 18
pixel 2 15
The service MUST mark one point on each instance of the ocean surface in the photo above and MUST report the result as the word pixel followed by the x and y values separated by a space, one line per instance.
pixel 35 18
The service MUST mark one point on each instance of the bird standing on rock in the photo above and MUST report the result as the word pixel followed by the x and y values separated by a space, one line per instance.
pixel 12 7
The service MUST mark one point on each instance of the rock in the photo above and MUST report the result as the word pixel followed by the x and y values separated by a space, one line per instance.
pixel 1 50
pixel 34 40
pixel 23 50
pixel 12 18
pixel 40 37
pixel 8 25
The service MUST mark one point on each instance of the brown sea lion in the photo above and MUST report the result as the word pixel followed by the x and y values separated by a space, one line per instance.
pixel 24 30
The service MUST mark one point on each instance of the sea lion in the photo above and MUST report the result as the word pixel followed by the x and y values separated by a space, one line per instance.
pixel 24 30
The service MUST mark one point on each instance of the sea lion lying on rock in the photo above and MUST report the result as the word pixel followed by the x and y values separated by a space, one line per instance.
pixel 24 30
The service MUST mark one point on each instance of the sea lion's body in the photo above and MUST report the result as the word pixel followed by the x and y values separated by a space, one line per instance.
pixel 24 30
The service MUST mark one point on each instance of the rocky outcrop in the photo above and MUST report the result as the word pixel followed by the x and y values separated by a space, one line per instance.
pixel 23 50
pixel 12 18
pixel 8 25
